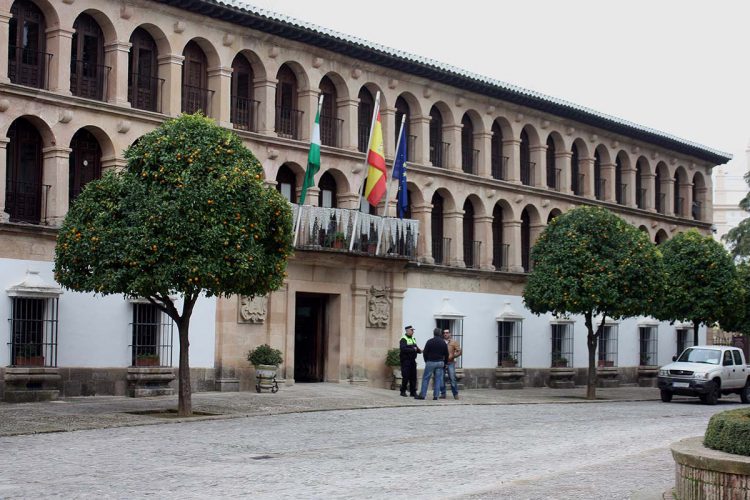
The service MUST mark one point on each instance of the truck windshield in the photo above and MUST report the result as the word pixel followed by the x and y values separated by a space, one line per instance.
pixel 710 356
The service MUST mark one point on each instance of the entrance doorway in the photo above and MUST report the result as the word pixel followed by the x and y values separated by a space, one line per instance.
pixel 310 337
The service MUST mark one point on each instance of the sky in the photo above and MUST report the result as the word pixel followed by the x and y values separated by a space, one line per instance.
pixel 680 67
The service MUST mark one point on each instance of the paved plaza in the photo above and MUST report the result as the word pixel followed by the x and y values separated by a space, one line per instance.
pixel 335 441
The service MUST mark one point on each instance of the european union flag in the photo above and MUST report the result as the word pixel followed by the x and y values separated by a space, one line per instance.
pixel 399 172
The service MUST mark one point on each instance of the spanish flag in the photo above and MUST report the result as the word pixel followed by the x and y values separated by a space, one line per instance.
pixel 376 174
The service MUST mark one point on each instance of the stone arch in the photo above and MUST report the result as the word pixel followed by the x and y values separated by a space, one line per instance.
pixel 532 133
pixel 646 231
pixel 163 45
pixel 700 197
pixel 622 167
pixel 416 196
pixel 209 49
pixel 105 141
pixel 558 140
pixel 260 72
pixel 604 154
pixel 681 191
pixel 342 181
pixel 446 112
pixel 51 16
pixel 288 177
pixel 553 213
pixel 660 237
pixel 662 179
pixel 342 89
pixel 476 120
pixel 105 23
pixel 42 127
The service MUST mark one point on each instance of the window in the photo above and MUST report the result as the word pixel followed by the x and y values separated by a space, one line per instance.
pixel 152 336
pixel 607 351
pixel 526 165
pixel 143 84
pixel 562 345
pixel 497 160
pixel 737 357
pixel 330 124
pixel 33 325
pixel 438 148
pixel 456 327
pixel 440 245
pixel 684 339
pixel 286 184
pixel 244 109
pixel 648 342
pixel 364 117
pixel 287 117
pixel 85 162
pixel 327 185
pixel 25 195
pixel 499 248
pixel 471 246
pixel 195 93
pixel 88 74
pixel 509 343
pixel 27 61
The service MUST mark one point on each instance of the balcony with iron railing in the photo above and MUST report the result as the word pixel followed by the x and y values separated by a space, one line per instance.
pixel 527 173
pixel 500 256
pixel 640 198
pixel 89 80
pixel 196 99
pixel 553 178
pixel 26 202
pixel 499 167
pixel 600 187
pixel 288 122
pixel 144 92
pixel 28 67
pixel 245 114
pixel 661 203
pixel 622 194
pixel 470 161
pixel 577 183
pixel 472 252
pixel 439 154
pixel 441 250
pixel 333 229
pixel 330 131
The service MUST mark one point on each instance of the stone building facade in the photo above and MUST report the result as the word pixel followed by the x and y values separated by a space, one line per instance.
pixel 488 166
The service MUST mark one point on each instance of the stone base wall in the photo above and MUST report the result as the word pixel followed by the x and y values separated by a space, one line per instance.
pixel 701 472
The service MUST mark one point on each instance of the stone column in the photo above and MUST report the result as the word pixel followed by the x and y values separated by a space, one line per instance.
pixel 170 70
pixel 705 212
pixel 452 135
pixel 265 93
pixel 348 111
pixel 358 363
pixel 538 156
pixel 628 179
pixel 454 229
pixel 388 121
pixel 562 162
pixel 116 57
pixel 348 200
pixel 220 81
pixel 608 174
pixel 512 149
pixel 667 188
pixel 4 56
pixel 648 183
pixel 3 172
pixel 420 126
pixel 55 169
pixel 686 193
pixel 586 167
pixel 483 228
pixel 484 142
pixel 312 197
pixel 308 100
pixel 512 231
pixel 59 43
pixel 424 242
pixel 114 163
pixel 535 230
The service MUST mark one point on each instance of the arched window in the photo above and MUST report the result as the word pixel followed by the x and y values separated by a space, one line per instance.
pixel 194 79
pixel 438 149
pixel 552 172
pixel 27 61
pixel 471 247
pixel 679 201
pixel 287 114
pixel 143 82
pixel 330 124
pixel 640 195
pixel 440 245
pixel 402 110
pixel 576 183
pixel 286 183
pixel 699 191
pixel 364 205
pixel 469 155
pixel 499 248
pixel 620 189
pixel 659 197
pixel 23 186
pixel 525 241
pixel 364 117
pixel 85 162
pixel 244 108
pixel 327 185
pixel 525 159
pixel 661 237
pixel 88 74
pixel 598 181
pixel 498 161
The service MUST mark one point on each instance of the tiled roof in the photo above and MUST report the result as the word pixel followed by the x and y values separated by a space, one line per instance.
pixel 244 14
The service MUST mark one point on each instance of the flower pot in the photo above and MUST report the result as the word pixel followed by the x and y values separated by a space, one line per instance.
pixel 397 378
pixel 508 363
pixel 29 361
pixel 604 363
pixel 559 364
pixel 149 361
pixel 266 375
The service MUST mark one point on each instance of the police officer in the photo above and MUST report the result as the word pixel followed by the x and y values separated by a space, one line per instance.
pixel 408 356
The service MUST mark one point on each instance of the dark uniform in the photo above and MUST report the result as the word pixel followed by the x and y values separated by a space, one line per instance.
pixel 408 356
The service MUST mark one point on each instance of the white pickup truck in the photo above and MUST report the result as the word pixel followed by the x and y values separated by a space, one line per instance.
pixel 706 372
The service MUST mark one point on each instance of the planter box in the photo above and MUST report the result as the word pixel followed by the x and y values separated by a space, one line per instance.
pixel 146 361
pixel 509 377
pixel 29 361
pixel 562 378
pixel 507 363
pixel 701 472
pixel 604 363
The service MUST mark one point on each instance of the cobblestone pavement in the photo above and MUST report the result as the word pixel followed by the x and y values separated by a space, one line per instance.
pixel 525 445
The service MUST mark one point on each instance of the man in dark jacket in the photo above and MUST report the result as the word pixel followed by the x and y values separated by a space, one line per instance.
pixel 408 356
pixel 435 357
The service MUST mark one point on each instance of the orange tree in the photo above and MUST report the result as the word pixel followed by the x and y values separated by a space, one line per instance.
pixel 589 261
pixel 189 216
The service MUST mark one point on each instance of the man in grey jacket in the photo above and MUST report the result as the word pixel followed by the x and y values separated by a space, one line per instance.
pixel 435 354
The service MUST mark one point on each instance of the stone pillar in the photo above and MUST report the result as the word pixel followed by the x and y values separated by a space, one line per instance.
pixel 265 93
pixel 59 43
pixel 608 174
pixel 538 155
pixel 483 228
pixel 116 57
pixel 586 167
pixel 424 243
pixel 220 81
pixel 452 135
pixel 358 363
pixel 628 179
pixel 348 200
pixel 3 172
pixel 512 230
pixel 667 188
pixel 308 104
pixel 454 229
pixel 56 165
pixel 562 162
pixel 702 212
pixel 388 121
pixel 648 183
pixel 4 55
pixel 512 149
pixel 686 193
pixel 348 110
pixel 484 142
pixel 312 197
pixel 421 129
pixel 170 70
pixel 114 163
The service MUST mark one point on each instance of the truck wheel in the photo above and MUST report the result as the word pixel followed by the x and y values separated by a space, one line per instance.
pixel 745 393
pixel 712 396
pixel 666 396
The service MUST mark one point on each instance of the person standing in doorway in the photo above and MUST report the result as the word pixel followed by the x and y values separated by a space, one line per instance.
pixel 454 351
pixel 408 350
pixel 435 357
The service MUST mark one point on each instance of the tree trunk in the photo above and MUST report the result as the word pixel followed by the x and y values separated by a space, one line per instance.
pixel 591 343
pixel 696 325
pixel 184 401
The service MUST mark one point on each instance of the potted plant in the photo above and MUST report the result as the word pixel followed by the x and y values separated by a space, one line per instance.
pixel 509 361
pixel 645 359
pixel 147 360
pixel 266 361
pixel 29 355
pixel 393 360
pixel 338 240
pixel 559 362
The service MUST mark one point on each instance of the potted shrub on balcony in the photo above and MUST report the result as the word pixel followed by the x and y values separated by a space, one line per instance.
pixel 509 361
pixel 559 362
pixel 147 360
pixel 266 361
pixel 393 360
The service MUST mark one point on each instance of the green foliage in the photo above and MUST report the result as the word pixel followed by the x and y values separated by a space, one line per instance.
pixel 738 239
pixel 701 281
pixel 264 354
pixel 393 357
pixel 729 431
pixel 589 260
pixel 190 215
pixel 737 318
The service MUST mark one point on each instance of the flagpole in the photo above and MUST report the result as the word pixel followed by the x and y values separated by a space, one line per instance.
pixel 388 184
pixel 299 215
pixel 362 184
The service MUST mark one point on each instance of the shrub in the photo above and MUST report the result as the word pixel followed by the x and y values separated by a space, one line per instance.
pixel 264 354
pixel 393 358
pixel 729 431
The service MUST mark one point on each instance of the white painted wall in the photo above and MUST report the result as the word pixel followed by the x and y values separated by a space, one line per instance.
pixel 95 331
pixel 480 330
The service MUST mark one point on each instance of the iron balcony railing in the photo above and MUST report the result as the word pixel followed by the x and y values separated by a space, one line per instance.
pixel 697 210
pixel 153 334
pixel 196 99
pixel 89 80
pixel 600 187
pixel 640 198
pixel 333 229
pixel 472 252
pixel 330 131
pixel 500 257
pixel 622 194
pixel 679 205
pixel 28 67
pixel 499 167
pixel 441 250
pixel 245 114
pixel 661 202
pixel 439 154
pixel 527 173
pixel 287 122
pixel 470 161
pixel 577 183
pixel 26 202
pixel 553 178
pixel 144 92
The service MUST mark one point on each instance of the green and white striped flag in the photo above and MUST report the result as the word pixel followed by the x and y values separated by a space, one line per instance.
pixel 313 159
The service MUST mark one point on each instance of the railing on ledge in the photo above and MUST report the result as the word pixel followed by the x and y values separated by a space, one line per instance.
pixel 324 228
